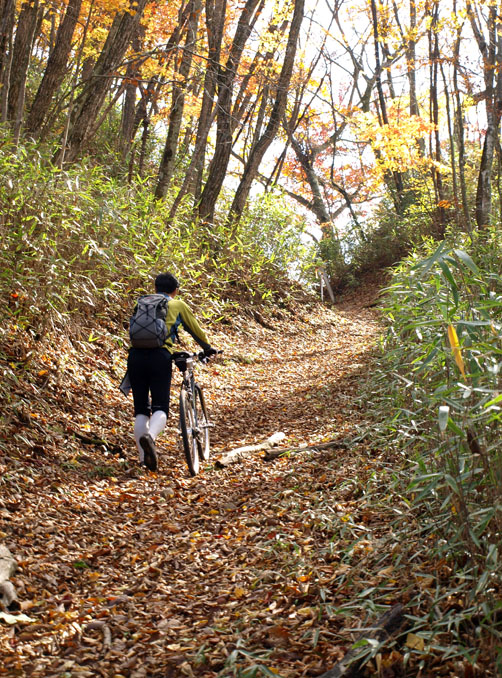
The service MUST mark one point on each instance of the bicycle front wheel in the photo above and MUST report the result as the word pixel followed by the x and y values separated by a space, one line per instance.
pixel 188 426
pixel 202 424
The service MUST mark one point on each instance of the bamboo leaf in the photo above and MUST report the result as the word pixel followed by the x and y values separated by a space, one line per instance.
pixel 466 259
pixel 455 347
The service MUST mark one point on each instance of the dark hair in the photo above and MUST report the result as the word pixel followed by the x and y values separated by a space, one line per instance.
pixel 166 282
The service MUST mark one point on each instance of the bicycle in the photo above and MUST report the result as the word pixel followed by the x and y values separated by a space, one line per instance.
pixel 194 420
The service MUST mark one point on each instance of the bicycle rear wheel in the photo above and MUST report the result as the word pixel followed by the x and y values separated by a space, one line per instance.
pixel 202 424
pixel 189 432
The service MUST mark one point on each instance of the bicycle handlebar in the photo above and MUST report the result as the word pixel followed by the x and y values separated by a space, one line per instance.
pixel 181 356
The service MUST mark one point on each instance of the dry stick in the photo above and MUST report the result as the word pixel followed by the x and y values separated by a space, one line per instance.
pixel 275 454
pixel 240 452
pixel 8 565
pixel 350 666
pixel 107 634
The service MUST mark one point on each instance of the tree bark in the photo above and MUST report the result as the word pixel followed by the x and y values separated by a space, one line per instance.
pixel 7 19
pixel 192 183
pixel 127 128
pixel 459 128
pixel 263 143
pixel 397 179
pixel 166 168
pixel 491 51
pixel 226 77
pixel 21 53
pixel 95 90
pixel 55 69
pixel 434 117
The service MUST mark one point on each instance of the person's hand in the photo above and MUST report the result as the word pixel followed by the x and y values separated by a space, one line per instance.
pixel 210 351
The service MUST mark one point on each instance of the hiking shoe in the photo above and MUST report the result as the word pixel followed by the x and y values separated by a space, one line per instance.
pixel 148 447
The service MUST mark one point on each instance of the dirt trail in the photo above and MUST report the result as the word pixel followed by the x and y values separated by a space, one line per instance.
pixel 128 573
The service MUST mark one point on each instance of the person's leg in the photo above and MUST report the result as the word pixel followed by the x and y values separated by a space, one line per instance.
pixel 137 368
pixel 139 375
pixel 157 423
pixel 160 386
pixel 160 373
pixel 141 428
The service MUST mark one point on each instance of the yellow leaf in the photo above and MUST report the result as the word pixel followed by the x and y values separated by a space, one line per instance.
pixel 239 592
pixel 455 347
pixel 415 642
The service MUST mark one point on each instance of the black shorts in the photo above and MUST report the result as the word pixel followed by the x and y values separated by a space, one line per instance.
pixel 150 371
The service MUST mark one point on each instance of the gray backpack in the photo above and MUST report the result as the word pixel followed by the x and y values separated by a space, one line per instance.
pixel 147 326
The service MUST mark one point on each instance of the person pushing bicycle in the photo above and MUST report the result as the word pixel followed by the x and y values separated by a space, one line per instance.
pixel 153 332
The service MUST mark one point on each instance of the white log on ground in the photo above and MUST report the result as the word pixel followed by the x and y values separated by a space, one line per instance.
pixel 286 451
pixel 240 452
pixel 8 565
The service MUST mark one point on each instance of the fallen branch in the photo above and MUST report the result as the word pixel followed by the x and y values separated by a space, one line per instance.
pixel 240 452
pixel 275 454
pixel 95 440
pixel 350 666
pixel 8 595
pixel 107 634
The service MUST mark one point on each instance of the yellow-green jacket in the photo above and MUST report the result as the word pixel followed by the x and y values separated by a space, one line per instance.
pixel 178 314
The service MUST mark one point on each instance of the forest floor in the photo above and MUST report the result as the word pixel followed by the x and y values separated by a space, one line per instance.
pixel 254 567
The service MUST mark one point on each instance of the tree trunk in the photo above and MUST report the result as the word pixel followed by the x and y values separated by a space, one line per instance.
pixel 166 168
pixel 7 19
pixel 263 143
pixel 215 19
pixel 459 128
pixel 317 205
pixel 491 51
pixel 223 146
pixel 434 116
pixel 451 137
pixel 397 179
pixel 25 31
pixel 95 90
pixel 55 69
pixel 127 126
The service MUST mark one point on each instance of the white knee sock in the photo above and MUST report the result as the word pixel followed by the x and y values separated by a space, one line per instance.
pixel 141 427
pixel 157 423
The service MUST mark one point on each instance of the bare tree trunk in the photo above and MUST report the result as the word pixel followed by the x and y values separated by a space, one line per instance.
pixel 94 93
pixel 215 21
pixel 397 179
pixel 451 137
pixel 129 108
pixel 318 206
pixel 55 69
pixel 491 51
pixel 260 147
pixel 434 115
pixel 223 146
pixel 459 125
pixel 166 168
pixel 6 28
pixel 25 31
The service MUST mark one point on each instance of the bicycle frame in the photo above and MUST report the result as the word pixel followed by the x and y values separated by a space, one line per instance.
pixel 194 423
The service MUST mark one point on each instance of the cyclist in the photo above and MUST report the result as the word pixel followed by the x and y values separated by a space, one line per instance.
pixel 150 371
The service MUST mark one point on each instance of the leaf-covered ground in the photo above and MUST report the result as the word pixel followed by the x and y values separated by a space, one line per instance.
pixel 123 572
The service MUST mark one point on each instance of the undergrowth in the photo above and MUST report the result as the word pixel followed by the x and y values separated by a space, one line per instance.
pixel 435 399
pixel 77 243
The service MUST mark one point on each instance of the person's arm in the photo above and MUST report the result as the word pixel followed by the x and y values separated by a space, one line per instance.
pixel 189 322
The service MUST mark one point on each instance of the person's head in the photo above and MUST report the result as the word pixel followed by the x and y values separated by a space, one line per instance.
pixel 166 283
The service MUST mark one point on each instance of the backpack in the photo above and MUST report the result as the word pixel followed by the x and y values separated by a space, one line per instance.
pixel 147 326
